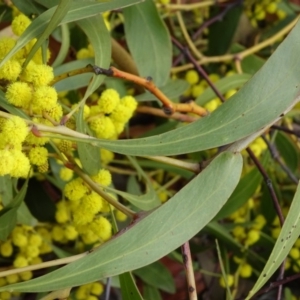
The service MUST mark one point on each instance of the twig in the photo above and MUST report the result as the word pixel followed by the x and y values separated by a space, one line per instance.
pixel 168 106
pixel 108 288
pixel 214 19
pixel 241 55
pixel 188 266
pixel 198 68
pixel 94 186
pixel 287 130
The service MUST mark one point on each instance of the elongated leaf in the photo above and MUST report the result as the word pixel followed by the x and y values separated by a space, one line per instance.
pixel 59 13
pixel 6 189
pixel 157 275
pixel 89 155
pixel 78 11
pixel 287 237
pixel 8 215
pixel 99 37
pixel 271 92
pixel 223 85
pixel 149 41
pixel 153 236
pixel 129 289
pixel 151 293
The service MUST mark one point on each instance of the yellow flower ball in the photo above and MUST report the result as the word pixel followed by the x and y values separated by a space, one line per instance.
pixel 106 156
pixel 57 233
pixel 19 24
pixel 129 102
pixel 19 94
pixel 66 174
pixel 20 261
pixel 121 114
pixel 14 130
pixel 229 280
pixel 38 75
pixel 38 155
pixel 103 127
pixel 97 288
pixel 245 270
pixel 10 70
pixel 71 232
pixel 90 203
pixel 6 249
pixel 5 295
pixel 197 90
pixel 6 162
pixel 44 98
pixel 252 237
pixel 6 44
pixel 294 253
pixel 75 189
pixel 192 77
pixel 108 101
pixel 21 165
pixel 102 228
pixel 13 278
pixel 120 216
pixel 103 177
pixel 26 275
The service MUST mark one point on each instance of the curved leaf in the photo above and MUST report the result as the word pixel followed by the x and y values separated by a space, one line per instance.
pixel 149 41
pixel 153 236
pixel 271 92
pixel 287 237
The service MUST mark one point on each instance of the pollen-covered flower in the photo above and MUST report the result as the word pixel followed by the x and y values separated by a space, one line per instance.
pixel 75 189
pixel 108 101
pixel 19 24
pixel 21 166
pixel 38 155
pixel 103 127
pixel 44 98
pixel 10 70
pixel 103 177
pixel 19 94
pixel 6 162
pixel 14 131
pixel 37 74
pixel 6 44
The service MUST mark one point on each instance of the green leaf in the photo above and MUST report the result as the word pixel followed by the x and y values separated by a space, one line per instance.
pixel 99 37
pixel 152 237
pixel 285 241
pixel 149 41
pixel 287 150
pixel 129 289
pixel 151 293
pixel 173 89
pixel 28 7
pixel 275 86
pixel 79 10
pixel 64 47
pixel 8 215
pixel 219 39
pixel 225 84
pixel 157 275
pixel 59 13
pixel 89 155
pixel 6 189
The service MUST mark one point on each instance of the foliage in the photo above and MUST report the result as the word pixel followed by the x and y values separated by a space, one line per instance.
pixel 86 184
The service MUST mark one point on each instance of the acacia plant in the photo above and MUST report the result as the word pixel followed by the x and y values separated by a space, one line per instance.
pixel 131 128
